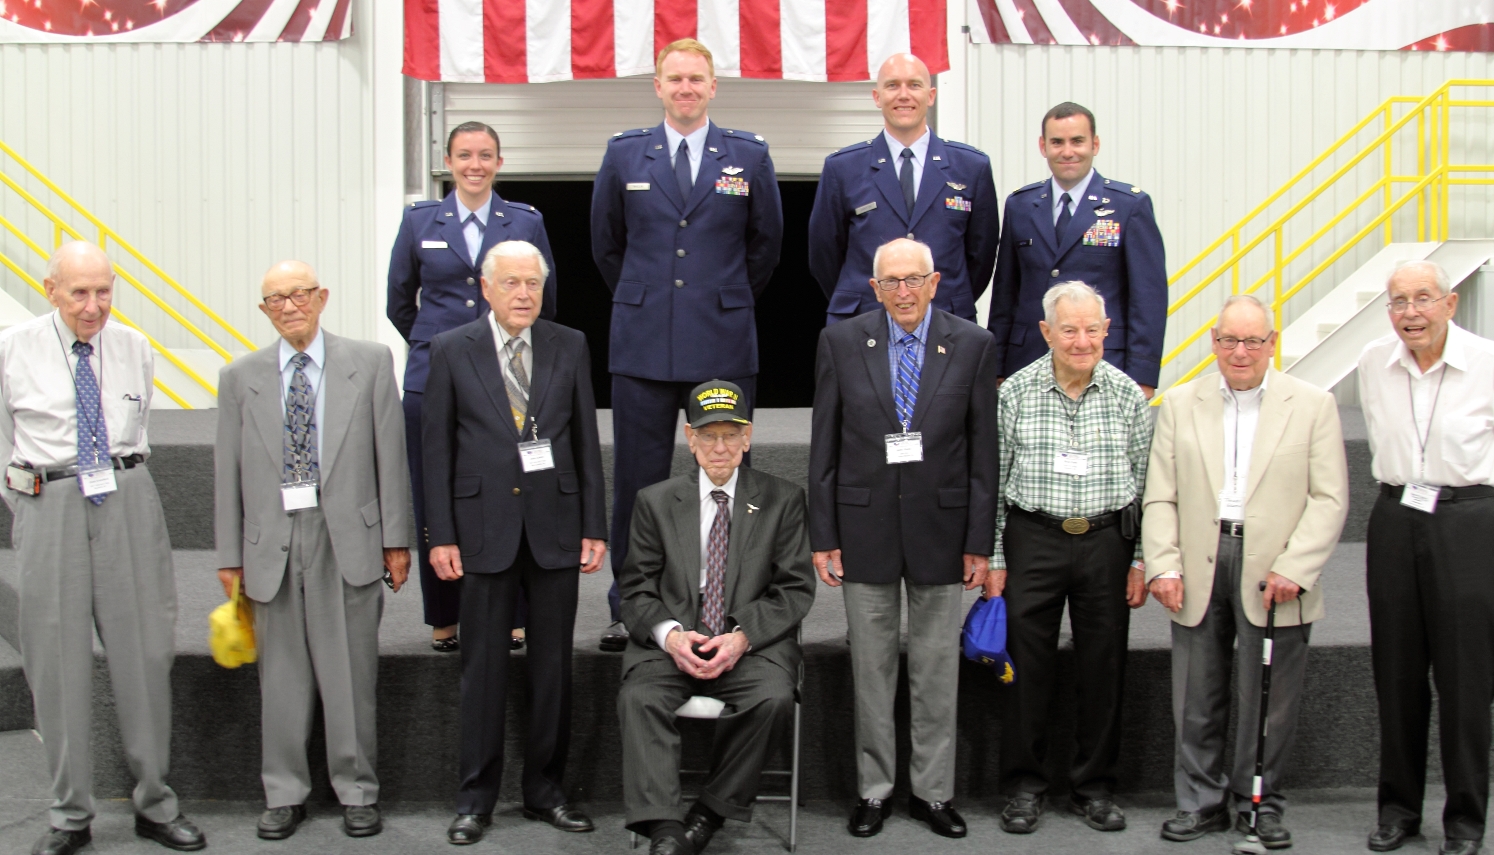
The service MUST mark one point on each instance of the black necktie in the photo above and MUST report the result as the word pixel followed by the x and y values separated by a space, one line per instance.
pixel 1064 215
pixel 682 169
pixel 905 178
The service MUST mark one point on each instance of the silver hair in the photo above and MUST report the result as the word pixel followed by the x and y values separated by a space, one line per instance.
pixel 1250 299
pixel 54 264
pixel 923 250
pixel 1074 292
pixel 1444 282
pixel 513 249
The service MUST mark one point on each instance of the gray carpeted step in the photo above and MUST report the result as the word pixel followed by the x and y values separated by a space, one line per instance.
pixel 15 695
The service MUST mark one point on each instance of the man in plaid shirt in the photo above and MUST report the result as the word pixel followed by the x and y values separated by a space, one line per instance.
pixel 1075 434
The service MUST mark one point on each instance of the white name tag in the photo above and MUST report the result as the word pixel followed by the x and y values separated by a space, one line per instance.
pixel 637 185
pixel 1421 497
pixel 433 244
pixel 869 206
pixel 1071 463
pixel 536 456
pixel 294 497
pixel 1231 506
pixel 905 447
pixel 98 482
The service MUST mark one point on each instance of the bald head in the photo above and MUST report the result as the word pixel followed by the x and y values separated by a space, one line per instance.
pixel 288 274
pixel 78 256
pixel 80 283
pixel 293 300
pixel 904 94
pixel 902 65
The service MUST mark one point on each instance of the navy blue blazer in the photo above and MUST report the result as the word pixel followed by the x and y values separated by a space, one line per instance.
pixel 430 260
pixel 1123 259
pixel 685 274
pixel 477 495
pixel 859 206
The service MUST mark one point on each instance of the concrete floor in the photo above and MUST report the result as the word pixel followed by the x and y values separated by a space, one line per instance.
pixel 1324 822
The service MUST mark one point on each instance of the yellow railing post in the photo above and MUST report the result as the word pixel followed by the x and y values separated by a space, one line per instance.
pixel 1421 171
pixel 1446 158
pixel 1389 167
pixel 1276 302
pixel 1234 271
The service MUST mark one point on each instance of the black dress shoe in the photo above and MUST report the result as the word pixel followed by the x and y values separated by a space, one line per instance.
pixel 615 639
pixel 941 816
pixel 449 644
pixel 866 819
pixel 516 642
pixel 667 845
pixel 179 834
pixel 280 822
pixel 361 820
pixel 1268 830
pixel 563 817
pixel 1193 824
pixel 1453 846
pixel 59 842
pixel 700 828
pixel 1387 838
pixel 1099 814
pixel 1021 814
pixel 468 828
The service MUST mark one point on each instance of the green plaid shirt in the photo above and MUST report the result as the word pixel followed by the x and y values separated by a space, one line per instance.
pixel 1111 423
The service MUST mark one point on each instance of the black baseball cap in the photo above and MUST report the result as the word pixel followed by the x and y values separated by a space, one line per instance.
pixel 716 401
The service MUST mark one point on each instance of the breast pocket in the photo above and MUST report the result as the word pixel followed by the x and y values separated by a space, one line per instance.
pixel 124 416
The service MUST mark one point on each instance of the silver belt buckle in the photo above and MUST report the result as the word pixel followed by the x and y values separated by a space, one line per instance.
pixel 1234 529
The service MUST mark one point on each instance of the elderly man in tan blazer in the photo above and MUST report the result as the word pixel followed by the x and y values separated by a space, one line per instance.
pixel 1245 498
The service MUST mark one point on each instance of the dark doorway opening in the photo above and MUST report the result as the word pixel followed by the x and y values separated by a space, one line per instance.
pixel 790 313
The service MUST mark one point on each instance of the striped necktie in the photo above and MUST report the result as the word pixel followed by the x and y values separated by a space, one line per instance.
pixel 516 381
pixel 713 604
pixel 905 390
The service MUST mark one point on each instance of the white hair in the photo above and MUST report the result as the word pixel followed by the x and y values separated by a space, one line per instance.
pixel 513 249
pixel 923 250
pixel 1444 282
pixel 1247 299
pixel 1074 292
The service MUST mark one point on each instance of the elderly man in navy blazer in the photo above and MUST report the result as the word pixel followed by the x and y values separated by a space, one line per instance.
pixel 904 182
pixel 686 223
pixel 1080 225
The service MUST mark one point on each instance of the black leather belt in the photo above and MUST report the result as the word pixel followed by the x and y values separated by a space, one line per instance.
pixel 1232 528
pixel 1069 525
pixel 69 471
pixel 1444 494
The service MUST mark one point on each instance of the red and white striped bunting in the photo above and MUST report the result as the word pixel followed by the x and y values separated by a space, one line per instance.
pixel 56 21
pixel 541 41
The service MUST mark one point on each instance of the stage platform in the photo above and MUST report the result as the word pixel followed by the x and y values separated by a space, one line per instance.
pixel 217 714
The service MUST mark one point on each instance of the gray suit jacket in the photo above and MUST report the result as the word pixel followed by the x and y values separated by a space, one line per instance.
pixel 770 580
pixel 365 483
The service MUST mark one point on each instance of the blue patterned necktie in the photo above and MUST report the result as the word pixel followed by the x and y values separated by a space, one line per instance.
pixel 300 451
pixel 905 390
pixel 682 169
pixel 713 605
pixel 93 434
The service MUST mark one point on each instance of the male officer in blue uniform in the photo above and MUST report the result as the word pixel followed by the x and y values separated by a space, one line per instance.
pixel 904 182
pixel 1079 225
pixel 435 285
pixel 686 224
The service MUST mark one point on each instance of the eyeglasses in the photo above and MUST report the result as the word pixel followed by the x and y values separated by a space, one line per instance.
pixel 1229 342
pixel 299 297
pixel 914 281
pixel 1422 303
pixel 1071 333
pixel 531 285
pixel 730 440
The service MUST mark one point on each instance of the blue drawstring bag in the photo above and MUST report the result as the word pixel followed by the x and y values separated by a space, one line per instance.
pixel 984 637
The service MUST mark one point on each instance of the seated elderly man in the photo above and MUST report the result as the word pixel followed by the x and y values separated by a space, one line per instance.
pixel 716 581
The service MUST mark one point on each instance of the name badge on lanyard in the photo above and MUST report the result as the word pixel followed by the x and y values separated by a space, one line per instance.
pixel 1421 497
pixel 905 447
pixel 1231 505
pixel 298 495
pixel 1071 463
pixel 97 479
pixel 536 456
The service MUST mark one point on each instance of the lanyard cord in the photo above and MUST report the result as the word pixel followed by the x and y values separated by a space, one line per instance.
pixel 1422 440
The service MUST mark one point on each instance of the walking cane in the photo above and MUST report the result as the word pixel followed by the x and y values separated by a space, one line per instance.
pixel 1252 845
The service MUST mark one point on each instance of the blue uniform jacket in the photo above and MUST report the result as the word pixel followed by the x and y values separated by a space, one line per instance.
pixel 1112 244
pixel 685 274
pixel 859 206
pixel 430 262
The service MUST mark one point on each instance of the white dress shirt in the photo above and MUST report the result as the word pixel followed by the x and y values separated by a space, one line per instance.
pixel 920 149
pixel 39 425
pixel 1452 404
pixel 707 519
pixel 1242 414
pixel 317 350
pixel 696 138
pixel 1074 195
pixel 501 338
pixel 470 231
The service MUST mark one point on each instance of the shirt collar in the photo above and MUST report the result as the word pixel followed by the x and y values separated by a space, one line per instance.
pixel 895 332
pixel 501 335
pixel 317 350
pixel 707 485
pixel 1245 395
pixel 1075 195
pixel 482 212
pixel 696 138
pixel 1453 352
pixel 920 146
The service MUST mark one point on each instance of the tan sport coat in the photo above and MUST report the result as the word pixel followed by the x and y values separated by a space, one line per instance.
pixel 1297 494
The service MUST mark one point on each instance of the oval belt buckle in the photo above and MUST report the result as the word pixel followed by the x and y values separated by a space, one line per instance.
pixel 1076 525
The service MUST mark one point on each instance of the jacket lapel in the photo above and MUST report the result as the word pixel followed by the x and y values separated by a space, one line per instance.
pixel 884 175
pixel 931 185
pixel 482 351
pixel 450 226
pixel 1208 425
pixel 267 409
pixel 743 523
pixel 543 336
pixel 710 167
pixel 687 539
pixel 659 170
pixel 1084 217
pixel 1276 413
pixel 341 399
pixel 874 327
pixel 934 364
pixel 497 228
pixel 1042 219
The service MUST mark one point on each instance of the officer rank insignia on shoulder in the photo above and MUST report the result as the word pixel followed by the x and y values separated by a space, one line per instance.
pixel 731 185
pixel 1103 233
pixel 957 203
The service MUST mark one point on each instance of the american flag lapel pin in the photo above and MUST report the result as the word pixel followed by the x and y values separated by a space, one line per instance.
pixel 941 348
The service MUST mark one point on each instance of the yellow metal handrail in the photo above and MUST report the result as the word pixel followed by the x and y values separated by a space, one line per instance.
pixel 1430 185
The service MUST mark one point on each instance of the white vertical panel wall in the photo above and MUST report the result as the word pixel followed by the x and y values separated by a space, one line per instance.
pixel 214 160
pixel 1210 133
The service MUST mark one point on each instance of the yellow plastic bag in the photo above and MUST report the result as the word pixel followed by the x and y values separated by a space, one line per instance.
pixel 232 630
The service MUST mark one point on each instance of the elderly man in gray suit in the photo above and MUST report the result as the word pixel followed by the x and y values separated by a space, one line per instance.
pixel 717 579
pixel 313 499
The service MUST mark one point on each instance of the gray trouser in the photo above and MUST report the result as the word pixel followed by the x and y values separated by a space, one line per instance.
pixel 1200 695
pixel 873 618
pixel 318 636
pixel 108 566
